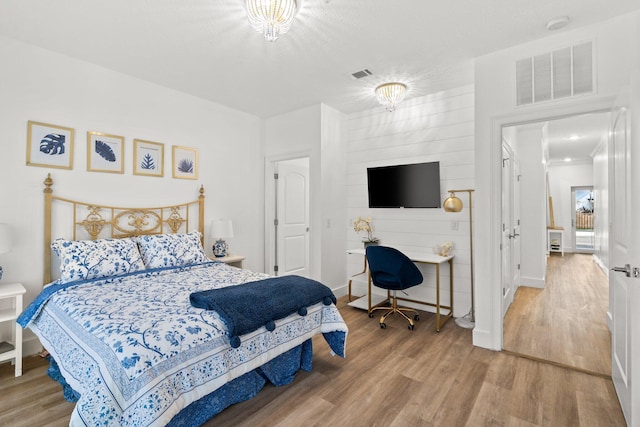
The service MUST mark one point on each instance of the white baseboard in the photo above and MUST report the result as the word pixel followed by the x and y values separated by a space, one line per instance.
pixel 532 282
pixel 601 264
pixel 484 339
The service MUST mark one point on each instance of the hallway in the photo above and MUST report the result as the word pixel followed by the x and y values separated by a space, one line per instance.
pixel 565 323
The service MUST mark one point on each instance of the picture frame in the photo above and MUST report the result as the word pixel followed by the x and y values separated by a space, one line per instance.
pixel 148 158
pixel 185 162
pixel 105 152
pixel 49 145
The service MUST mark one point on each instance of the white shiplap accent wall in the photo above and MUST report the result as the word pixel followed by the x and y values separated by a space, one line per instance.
pixel 436 127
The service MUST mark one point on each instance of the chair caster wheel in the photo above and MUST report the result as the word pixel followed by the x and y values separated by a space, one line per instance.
pixel 383 326
pixel 411 327
pixel 370 315
pixel 416 317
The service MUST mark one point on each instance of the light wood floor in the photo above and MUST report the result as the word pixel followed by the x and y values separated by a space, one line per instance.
pixel 391 377
pixel 566 321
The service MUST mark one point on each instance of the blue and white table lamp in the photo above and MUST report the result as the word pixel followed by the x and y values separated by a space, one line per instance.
pixel 5 241
pixel 221 229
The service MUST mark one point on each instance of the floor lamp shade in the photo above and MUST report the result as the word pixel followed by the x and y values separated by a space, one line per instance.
pixel 221 229
pixel 5 241
pixel 454 204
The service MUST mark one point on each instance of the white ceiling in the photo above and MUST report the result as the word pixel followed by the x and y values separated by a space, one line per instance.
pixel 576 137
pixel 206 47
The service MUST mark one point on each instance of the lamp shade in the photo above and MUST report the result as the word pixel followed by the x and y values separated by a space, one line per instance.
pixel 271 17
pixel 452 203
pixel 221 228
pixel 390 94
pixel 5 238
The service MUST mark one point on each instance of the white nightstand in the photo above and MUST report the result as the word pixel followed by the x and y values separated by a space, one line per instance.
pixel 233 260
pixel 13 350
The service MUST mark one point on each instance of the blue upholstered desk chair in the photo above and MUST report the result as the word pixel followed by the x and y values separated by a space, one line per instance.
pixel 392 270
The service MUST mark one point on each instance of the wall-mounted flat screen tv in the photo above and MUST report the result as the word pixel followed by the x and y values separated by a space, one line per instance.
pixel 404 186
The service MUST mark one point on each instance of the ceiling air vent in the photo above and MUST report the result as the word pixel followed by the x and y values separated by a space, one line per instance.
pixel 559 74
pixel 360 74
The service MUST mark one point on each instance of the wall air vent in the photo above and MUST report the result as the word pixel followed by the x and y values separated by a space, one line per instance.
pixel 360 74
pixel 559 74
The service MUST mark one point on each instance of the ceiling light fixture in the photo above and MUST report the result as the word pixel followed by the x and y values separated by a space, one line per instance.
pixel 391 94
pixel 272 18
pixel 557 23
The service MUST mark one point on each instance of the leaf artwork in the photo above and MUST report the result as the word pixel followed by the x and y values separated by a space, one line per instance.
pixel 147 162
pixel 105 151
pixel 185 166
pixel 52 144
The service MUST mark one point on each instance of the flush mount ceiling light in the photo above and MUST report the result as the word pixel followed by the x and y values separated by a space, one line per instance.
pixel 557 23
pixel 271 17
pixel 391 94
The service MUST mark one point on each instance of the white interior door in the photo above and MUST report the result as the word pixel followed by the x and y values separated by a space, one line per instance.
pixel 624 288
pixel 515 244
pixel 507 228
pixel 292 218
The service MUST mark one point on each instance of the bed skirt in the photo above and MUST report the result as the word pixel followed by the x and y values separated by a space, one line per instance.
pixel 279 371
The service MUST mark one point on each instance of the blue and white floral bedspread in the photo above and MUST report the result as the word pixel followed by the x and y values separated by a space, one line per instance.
pixel 138 352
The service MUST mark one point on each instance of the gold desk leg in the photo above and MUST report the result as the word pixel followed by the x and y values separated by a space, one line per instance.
pixel 437 297
pixel 364 270
pixel 369 293
pixel 451 287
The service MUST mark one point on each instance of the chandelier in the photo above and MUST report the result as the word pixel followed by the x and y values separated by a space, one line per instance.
pixel 391 94
pixel 271 17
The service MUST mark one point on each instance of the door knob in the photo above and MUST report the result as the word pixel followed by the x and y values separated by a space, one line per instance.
pixel 626 270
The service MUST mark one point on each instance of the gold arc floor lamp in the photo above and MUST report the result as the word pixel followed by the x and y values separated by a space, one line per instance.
pixel 454 204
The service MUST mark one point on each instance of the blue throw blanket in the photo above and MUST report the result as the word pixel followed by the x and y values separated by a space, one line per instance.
pixel 249 306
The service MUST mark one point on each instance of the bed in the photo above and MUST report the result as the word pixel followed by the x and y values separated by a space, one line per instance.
pixel 126 339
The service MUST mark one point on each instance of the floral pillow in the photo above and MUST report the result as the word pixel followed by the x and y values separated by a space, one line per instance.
pixel 91 259
pixel 171 250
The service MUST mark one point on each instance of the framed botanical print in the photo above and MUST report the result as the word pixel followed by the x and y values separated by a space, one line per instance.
pixel 185 162
pixel 49 146
pixel 105 153
pixel 148 158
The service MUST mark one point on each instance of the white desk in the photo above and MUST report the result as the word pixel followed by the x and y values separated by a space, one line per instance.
pixel 370 301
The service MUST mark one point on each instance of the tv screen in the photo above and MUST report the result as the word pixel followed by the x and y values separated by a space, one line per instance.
pixel 404 186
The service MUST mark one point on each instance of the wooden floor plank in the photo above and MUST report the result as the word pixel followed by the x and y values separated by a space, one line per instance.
pixel 391 377
pixel 566 321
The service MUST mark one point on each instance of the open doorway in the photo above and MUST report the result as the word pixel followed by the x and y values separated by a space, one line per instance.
pixel 548 315
pixel 582 220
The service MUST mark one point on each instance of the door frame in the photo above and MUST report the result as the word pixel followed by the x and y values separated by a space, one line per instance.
pixel 493 311
pixel 507 240
pixel 270 207
pixel 574 228
pixel 287 170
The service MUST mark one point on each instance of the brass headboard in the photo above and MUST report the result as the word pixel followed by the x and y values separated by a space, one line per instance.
pixel 101 221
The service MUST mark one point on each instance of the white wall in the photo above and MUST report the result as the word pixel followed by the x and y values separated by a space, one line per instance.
pixel 437 127
pixel 333 195
pixel 289 136
pixel 316 132
pixel 601 211
pixel 40 85
pixel 616 49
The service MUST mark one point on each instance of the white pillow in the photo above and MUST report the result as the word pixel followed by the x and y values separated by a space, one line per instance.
pixel 91 259
pixel 171 250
